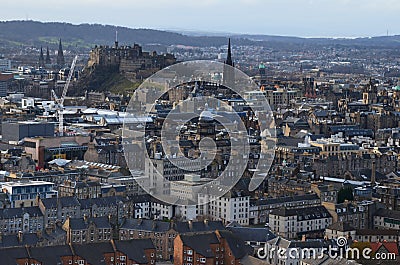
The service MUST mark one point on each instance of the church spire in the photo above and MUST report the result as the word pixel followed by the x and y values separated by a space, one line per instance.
pixel 48 59
pixel 41 58
pixel 229 56
pixel 60 55
pixel 229 74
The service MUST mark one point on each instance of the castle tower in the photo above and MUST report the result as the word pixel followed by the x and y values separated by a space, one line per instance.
pixel 60 56
pixel 229 74
pixel 48 59
pixel 41 58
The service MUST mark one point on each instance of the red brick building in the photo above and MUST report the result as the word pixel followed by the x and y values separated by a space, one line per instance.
pixel 215 248
pixel 141 251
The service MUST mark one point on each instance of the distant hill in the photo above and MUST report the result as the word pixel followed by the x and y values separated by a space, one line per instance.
pixel 87 35
pixel 91 34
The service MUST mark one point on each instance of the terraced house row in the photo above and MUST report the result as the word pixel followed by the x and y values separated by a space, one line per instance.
pixel 139 251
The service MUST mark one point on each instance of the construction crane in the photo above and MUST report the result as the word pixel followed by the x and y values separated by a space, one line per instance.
pixel 60 101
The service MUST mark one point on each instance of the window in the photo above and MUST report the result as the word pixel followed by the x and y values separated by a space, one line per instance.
pixel 152 254
pixel 190 252
pixel 189 259
pixel 203 260
pixel 122 258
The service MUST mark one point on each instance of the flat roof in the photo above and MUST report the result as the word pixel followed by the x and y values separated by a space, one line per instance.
pixel 27 183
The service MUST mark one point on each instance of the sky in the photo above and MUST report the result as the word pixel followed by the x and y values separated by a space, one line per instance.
pixel 304 18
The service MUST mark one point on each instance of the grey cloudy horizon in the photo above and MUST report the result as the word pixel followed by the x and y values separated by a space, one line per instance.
pixel 303 18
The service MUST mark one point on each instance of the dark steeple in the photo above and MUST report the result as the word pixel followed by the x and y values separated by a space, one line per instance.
pixel 229 74
pixel 229 56
pixel 60 56
pixel 48 59
pixel 41 58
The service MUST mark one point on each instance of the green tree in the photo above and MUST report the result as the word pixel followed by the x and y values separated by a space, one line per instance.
pixel 345 193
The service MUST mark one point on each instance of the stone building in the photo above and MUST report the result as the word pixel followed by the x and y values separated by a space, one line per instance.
pixel 87 230
pixel 131 61
pixel 25 220
pixel 80 189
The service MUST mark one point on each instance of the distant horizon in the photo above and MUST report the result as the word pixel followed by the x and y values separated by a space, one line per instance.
pixel 301 18
pixel 194 32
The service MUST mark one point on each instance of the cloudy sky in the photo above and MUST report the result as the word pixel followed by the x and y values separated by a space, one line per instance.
pixel 333 18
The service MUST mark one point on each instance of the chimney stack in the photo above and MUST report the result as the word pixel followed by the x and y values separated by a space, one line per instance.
pixel 20 236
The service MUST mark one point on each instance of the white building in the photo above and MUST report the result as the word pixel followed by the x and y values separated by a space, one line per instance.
pixel 233 206
pixel 5 64
pixel 294 223
pixel 24 194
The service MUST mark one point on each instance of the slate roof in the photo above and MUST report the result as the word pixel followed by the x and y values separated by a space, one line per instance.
pixel 200 243
pixel 100 222
pixel 69 201
pixel 146 225
pixel 50 255
pixel 77 224
pixel 185 227
pixel 93 253
pixel 140 198
pixel 252 234
pixel 81 224
pixel 19 212
pixel 377 232
pixel 9 255
pixel 278 200
pixel 134 249
pixel 100 202
pixel 49 203
pixel 236 244
pixel 308 213
pixel 388 213
pixel 342 227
